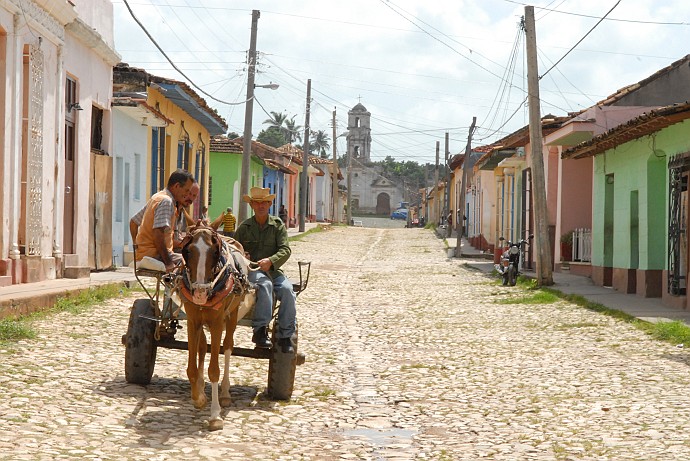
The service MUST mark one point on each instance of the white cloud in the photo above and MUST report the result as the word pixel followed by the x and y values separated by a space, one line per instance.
pixel 410 79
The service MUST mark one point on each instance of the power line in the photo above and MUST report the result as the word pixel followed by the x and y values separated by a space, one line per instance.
pixel 173 64
pixel 580 41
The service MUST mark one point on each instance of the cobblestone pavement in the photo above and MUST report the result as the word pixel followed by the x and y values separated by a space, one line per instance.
pixel 409 356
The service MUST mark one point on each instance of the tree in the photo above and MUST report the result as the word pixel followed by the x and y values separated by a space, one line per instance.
pixel 291 131
pixel 271 137
pixel 277 120
pixel 233 135
pixel 320 144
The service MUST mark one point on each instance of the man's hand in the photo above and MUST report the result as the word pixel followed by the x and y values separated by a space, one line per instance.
pixel 265 264
pixel 170 267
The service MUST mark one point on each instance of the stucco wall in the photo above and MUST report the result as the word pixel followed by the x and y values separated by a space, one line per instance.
pixel 641 166
pixel 130 140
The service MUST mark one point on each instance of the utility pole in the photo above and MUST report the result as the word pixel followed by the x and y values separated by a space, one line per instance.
pixel 248 114
pixel 334 214
pixel 460 216
pixel 304 179
pixel 436 197
pixel 349 182
pixel 446 212
pixel 541 234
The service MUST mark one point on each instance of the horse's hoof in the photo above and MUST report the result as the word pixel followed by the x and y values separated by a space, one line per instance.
pixel 225 402
pixel 215 424
pixel 200 403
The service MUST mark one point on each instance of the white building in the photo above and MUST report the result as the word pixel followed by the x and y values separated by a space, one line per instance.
pixel 56 65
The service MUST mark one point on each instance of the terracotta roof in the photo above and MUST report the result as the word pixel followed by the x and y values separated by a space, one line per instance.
pixel 642 125
pixel 223 144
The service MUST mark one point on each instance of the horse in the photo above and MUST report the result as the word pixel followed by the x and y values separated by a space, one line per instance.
pixel 213 287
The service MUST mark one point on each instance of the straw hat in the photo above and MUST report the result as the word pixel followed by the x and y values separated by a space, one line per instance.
pixel 259 194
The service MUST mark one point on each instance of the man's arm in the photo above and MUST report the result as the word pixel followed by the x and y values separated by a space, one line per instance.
pixel 284 251
pixel 135 222
pixel 159 243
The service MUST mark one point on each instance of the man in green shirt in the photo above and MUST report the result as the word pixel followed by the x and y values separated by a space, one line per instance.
pixel 265 238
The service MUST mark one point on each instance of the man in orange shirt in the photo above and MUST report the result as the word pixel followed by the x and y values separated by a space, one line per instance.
pixel 152 227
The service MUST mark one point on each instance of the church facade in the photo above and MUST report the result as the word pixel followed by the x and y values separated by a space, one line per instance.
pixel 371 192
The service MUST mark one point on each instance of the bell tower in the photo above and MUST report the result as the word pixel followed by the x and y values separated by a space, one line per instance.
pixel 359 133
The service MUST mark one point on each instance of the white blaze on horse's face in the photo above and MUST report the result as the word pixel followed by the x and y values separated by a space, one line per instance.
pixel 200 266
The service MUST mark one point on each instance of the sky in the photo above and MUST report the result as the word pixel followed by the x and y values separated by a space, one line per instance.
pixel 422 68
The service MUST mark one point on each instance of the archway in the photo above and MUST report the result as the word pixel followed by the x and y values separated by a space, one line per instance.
pixel 383 204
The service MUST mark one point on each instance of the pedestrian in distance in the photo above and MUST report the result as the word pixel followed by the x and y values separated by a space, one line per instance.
pixel 282 214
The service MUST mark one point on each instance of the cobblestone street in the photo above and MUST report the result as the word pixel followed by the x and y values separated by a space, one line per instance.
pixel 408 357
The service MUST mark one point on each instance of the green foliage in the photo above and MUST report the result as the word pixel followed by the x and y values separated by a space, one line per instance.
pixel 320 144
pixel 271 137
pixel 313 230
pixel 675 332
pixel 20 328
pixel 535 297
pixel 14 330
pixel 233 135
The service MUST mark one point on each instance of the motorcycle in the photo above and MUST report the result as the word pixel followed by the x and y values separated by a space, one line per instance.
pixel 509 268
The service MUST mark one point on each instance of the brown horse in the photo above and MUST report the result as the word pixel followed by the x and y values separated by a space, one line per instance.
pixel 213 288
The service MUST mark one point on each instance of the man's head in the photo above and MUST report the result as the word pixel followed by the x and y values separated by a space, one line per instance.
pixel 260 199
pixel 180 183
pixel 192 194
pixel 229 210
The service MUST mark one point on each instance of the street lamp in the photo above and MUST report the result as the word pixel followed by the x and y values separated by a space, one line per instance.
pixel 270 86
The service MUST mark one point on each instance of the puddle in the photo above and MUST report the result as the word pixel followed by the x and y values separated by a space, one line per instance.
pixel 383 437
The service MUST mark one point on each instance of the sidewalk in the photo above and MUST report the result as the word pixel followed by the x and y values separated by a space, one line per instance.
pixel 22 299
pixel 648 309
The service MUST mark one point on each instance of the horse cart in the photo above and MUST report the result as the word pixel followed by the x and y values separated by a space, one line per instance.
pixel 155 320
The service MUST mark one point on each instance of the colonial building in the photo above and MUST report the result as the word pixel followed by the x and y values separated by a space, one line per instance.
pixel 371 192
pixel 56 61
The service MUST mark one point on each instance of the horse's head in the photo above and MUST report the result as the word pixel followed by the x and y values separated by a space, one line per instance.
pixel 201 253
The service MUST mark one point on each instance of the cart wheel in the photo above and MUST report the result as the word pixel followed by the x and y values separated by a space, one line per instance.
pixel 140 345
pixel 281 369
pixel 512 277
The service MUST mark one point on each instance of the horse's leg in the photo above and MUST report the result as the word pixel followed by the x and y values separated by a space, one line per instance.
pixel 195 333
pixel 228 344
pixel 216 326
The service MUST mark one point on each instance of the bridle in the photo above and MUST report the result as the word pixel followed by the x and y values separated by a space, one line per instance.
pixel 229 278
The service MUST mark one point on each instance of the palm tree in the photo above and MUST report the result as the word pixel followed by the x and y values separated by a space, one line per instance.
pixel 277 120
pixel 320 144
pixel 292 130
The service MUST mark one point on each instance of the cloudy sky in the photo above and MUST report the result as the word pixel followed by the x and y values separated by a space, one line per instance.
pixel 421 67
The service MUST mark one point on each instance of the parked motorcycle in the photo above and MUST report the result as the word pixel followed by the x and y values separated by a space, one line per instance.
pixel 509 268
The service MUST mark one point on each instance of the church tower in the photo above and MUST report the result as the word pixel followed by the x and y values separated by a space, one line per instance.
pixel 359 133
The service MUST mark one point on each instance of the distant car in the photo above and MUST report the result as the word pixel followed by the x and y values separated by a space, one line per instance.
pixel 400 213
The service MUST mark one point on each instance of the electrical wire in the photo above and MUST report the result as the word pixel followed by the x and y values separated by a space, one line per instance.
pixel 191 82
pixel 580 41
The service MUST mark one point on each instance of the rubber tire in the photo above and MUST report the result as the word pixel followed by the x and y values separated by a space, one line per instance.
pixel 512 276
pixel 140 344
pixel 281 369
pixel 504 276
